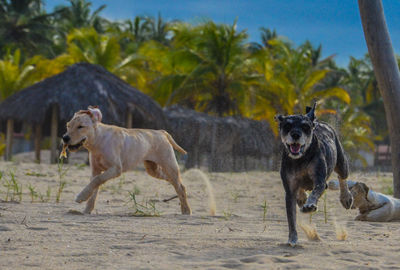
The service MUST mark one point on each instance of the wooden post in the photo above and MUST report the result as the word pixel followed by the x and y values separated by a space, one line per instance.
pixel 213 164
pixel 387 75
pixel 54 129
pixel 9 137
pixel 129 119
pixel 192 158
pixel 234 164
pixel 38 135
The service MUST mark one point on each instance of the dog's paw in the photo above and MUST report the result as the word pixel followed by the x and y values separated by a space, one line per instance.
pixel 83 195
pixel 361 217
pixel 87 211
pixel 346 199
pixel 186 211
pixel 79 198
pixel 301 201
pixel 292 241
pixel 301 198
pixel 309 208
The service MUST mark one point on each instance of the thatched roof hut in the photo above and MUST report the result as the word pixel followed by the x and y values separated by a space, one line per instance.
pixel 56 99
pixel 81 85
pixel 221 139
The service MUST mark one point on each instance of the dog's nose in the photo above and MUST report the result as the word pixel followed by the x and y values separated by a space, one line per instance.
pixel 295 135
pixel 66 138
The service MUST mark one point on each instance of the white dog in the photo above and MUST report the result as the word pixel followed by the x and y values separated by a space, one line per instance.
pixel 373 206
pixel 114 150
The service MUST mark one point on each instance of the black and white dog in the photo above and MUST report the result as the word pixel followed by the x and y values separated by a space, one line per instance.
pixel 311 152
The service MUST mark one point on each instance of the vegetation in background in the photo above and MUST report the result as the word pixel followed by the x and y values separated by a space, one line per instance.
pixel 205 66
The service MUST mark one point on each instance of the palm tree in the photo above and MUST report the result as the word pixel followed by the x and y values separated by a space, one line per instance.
pixel 24 24
pixel 79 15
pixel 266 35
pixel 359 79
pixel 17 73
pixel 387 74
pixel 87 45
pixel 204 68
pixel 291 79
pixel 356 133
pixel 14 75
pixel 76 15
pixel 156 29
pixel 132 33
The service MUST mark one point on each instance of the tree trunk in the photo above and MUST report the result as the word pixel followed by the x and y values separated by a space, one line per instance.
pixel 129 118
pixel 38 138
pixel 53 134
pixel 212 167
pixel 387 74
pixel 9 139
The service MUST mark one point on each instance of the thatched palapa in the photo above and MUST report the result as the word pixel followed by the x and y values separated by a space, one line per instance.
pixel 228 143
pixel 59 97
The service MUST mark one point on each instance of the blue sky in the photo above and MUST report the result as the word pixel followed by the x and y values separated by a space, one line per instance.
pixel 333 23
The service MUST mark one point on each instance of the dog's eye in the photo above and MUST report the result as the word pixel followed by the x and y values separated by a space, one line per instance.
pixel 305 128
pixel 287 126
pixel 79 127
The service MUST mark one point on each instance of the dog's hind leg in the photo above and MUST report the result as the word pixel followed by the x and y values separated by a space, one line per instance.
pixel 181 191
pixel 153 169
pixel 170 171
pixel 319 185
pixel 342 169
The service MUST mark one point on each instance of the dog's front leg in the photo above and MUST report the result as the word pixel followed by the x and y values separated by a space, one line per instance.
pixel 290 199
pixel 345 196
pixel 98 180
pixel 301 197
pixel 92 200
pixel 291 217
pixel 319 179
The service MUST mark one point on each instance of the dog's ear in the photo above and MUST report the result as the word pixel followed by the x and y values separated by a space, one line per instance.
pixel 310 112
pixel 85 112
pixel 95 113
pixel 279 118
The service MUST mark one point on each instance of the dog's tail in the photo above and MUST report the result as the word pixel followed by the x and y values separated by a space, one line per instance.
pixel 173 143
pixel 196 174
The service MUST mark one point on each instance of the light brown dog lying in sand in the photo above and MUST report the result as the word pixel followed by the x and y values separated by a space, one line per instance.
pixel 373 206
pixel 114 150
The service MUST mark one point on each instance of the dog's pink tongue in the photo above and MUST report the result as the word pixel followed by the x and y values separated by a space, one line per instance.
pixel 295 148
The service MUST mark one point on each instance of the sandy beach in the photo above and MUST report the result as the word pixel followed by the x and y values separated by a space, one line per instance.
pixel 249 230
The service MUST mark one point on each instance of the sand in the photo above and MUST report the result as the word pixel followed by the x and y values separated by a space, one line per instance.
pixel 50 235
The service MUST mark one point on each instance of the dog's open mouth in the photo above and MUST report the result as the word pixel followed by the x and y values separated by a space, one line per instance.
pixel 76 147
pixel 295 148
